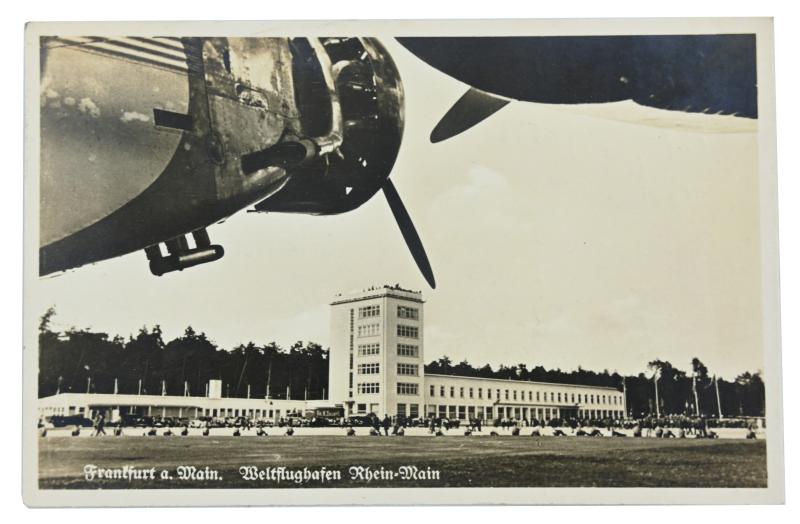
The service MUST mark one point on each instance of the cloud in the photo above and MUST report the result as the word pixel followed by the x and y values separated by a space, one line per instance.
pixel 86 105
pixel 131 116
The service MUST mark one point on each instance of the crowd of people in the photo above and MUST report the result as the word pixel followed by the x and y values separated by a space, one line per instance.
pixel 672 426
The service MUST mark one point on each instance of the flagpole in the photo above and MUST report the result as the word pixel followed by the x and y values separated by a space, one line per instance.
pixel 624 398
pixel 269 377
pixel 719 405
pixel 694 390
pixel 655 381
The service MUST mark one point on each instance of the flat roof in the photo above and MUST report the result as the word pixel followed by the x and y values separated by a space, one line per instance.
pixel 132 399
pixel 512 381
pixel 378 292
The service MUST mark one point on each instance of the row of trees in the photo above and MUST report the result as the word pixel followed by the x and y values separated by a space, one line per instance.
pixel 80 360
pixel 679 392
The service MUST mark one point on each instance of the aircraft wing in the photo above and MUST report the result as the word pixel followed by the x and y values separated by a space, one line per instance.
pixel 713 74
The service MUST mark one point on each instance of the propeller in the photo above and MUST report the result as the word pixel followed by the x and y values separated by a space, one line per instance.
pixel 471 109
pixel 409 231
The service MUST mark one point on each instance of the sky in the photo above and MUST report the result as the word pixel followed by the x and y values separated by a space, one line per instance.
pixel 602 236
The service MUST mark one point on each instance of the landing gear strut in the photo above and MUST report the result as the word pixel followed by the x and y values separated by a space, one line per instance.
pixel 181 255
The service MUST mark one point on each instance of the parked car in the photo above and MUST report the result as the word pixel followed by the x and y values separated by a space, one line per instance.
pixel 137 421
pixel 61 421
pixel 359 421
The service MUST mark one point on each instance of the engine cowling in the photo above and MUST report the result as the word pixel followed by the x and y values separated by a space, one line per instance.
pixel 350 98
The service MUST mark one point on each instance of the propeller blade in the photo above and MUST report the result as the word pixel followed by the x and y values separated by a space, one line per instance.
pixel 409 232
pixel 472 108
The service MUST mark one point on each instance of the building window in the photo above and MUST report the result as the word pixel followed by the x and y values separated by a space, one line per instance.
pixel 506 394
pixel 407 331
pixel 408 312
pixel 368 349
pixel 470 392
pixel 361 408
pixel 407 350
pixel 404 388
pixel 462 412
pixel 369 369
pixel 401 410
pixel 351 379
pixel 433 390
pixel 489 394
pixel 461 392
pixel 369 311
pixel 573 397
pixel 408 369
pixel 441 391
pixel 369 388
pixel 480 392
pixel 413 410
pixel 559 397
pixel 452 391
pixel 515 394
pixel 369 330
pixel 551 397
pixel 530 396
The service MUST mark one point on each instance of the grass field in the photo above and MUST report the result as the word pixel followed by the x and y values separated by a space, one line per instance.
pixel 460 461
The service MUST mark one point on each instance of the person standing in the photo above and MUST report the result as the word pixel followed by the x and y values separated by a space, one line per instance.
pixel 387 423
pixel 99 425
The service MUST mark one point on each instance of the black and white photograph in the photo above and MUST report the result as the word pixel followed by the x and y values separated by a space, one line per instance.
pixel 484 258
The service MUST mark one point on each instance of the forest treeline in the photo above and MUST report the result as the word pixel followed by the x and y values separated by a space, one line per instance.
pixel 81 360
pixel 744 396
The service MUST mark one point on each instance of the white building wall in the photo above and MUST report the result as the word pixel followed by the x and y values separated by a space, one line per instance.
pixel 493 398
pixel 369 329
pixel 88 404
pixel 339 356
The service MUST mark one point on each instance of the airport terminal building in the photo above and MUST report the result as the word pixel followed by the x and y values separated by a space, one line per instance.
pixel 376 366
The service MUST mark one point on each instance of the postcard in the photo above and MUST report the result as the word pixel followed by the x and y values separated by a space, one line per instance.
pixel 401 262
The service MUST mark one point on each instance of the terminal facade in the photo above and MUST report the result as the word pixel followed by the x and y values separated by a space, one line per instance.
pixel 376 366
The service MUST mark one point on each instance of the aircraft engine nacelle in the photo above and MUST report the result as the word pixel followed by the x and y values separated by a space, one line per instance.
pixel 350 98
